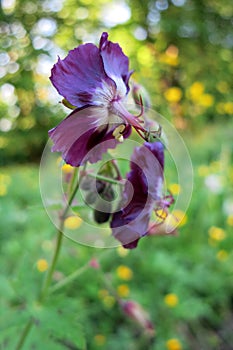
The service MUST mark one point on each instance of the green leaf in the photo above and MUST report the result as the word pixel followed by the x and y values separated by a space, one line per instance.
pixel 59 323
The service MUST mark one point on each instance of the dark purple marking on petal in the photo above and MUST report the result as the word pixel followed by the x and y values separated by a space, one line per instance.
pixel 116 63
pixel 84 136
pixel 78 75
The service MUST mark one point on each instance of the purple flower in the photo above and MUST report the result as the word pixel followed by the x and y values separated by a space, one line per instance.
pixel 143 193
pixel 95 81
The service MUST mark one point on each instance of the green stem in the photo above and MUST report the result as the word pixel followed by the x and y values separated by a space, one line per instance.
pixel 71 184
pixel 106 179
pixel 24 334
pixel 49 276
pixel 45 288
pixel 75 274
pixel 68 279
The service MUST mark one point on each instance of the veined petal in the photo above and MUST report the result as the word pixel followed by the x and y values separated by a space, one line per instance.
pixel 116 64
pixel 79 75
pixel 85 135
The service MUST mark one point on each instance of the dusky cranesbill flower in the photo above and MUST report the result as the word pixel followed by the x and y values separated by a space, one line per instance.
pixel 95 81
pixel 143 194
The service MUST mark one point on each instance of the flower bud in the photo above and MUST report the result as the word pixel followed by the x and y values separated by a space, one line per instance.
pixel 135 311
pixel 103 209
pixel 94 263
pixel 100 186
pixel 102 216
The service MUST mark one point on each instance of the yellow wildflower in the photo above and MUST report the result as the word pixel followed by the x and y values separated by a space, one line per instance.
pixel 73 222
pixel 172 51
pixel 228 107
pixel 173 94
pixel 42 265
pixel 175 189
pixel 173 344
pixel 124 272
pixel 170 56
pixel 196 90
pixel 171 300
pixel 206 100
pixel 123 290
pixel 222 255
pixel 216 233
pixel 99 339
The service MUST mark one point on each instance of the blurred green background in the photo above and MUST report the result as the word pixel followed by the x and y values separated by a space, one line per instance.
pixel 181 52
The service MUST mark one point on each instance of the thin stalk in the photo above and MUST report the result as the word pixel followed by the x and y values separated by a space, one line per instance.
pixel 45 288
pixel 71 184
pixel 76 274
pixel 24 334
pixel 106 179
pixel 49 276
pixel 68 279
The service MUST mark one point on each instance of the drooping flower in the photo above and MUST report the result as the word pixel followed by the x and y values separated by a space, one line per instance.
pixel 95 81
pixel 143 193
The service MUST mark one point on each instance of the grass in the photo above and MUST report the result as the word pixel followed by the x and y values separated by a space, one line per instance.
pixel 184 281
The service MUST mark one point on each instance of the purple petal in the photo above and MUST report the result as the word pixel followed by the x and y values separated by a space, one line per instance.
pixel 142 190
pixel 129 232
pixel 116 63
pixel 157 149
pixel 79 75
pixel 85 135
pixel 147 164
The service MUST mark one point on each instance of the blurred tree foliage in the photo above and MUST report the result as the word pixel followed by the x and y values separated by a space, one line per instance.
pixel 181 50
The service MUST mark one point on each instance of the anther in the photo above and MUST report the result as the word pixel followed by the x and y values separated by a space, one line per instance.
pixel 117 133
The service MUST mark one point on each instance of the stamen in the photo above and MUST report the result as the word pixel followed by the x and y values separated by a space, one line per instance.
pixel 161 213
pixel 117 133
